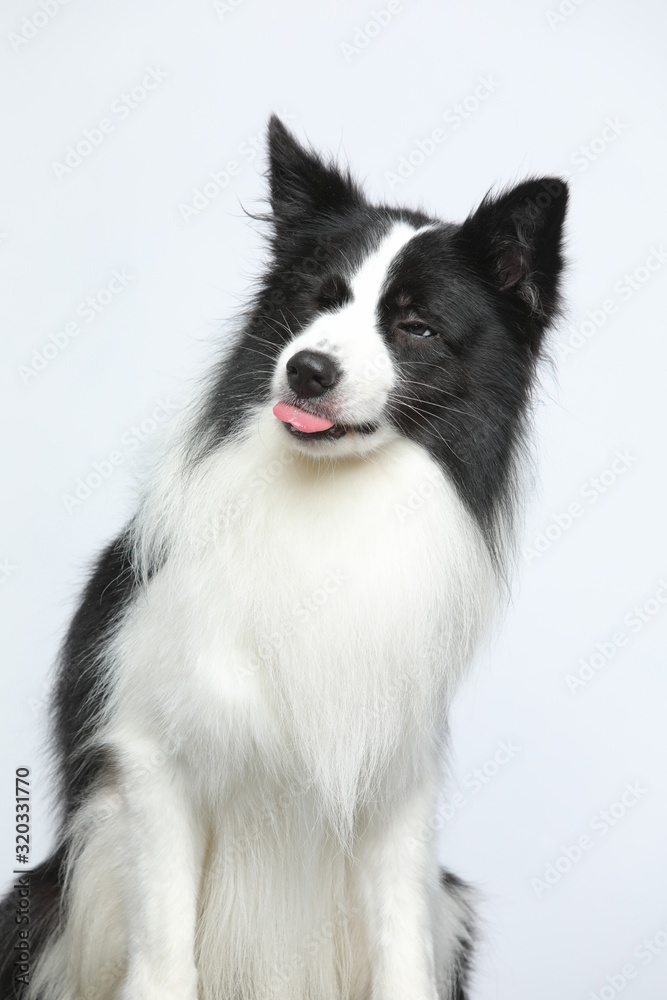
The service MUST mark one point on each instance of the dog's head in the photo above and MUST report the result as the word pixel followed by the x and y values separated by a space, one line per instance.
pixel 373 321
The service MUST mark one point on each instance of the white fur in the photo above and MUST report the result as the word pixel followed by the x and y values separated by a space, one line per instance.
pixel 278 694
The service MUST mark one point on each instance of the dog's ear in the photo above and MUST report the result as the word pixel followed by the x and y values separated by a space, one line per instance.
pixel 301 183
pixel 516 241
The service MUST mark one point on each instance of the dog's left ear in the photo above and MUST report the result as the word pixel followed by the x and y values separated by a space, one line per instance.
pixel 516 240
pixel 301 183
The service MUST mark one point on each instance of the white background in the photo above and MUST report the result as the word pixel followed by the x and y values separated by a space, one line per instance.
pixel 555 84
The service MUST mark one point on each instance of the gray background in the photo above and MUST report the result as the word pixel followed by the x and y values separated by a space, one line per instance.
pixel 553 81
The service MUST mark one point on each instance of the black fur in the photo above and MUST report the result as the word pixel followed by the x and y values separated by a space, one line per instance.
pixel 453 885
pixel 46 882
pixel 80 690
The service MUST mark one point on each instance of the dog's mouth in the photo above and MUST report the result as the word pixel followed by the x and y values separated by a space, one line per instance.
pixel 313 426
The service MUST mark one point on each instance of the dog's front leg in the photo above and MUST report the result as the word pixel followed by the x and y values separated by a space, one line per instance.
pixel 396 871
pixel 164 856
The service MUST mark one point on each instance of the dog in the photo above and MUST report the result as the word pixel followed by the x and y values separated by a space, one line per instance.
pixel 250 711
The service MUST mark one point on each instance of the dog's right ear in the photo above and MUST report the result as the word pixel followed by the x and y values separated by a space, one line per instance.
pixel 301 183
pixel 516 240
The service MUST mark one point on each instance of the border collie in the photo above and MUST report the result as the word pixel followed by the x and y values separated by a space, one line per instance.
pixel 250 709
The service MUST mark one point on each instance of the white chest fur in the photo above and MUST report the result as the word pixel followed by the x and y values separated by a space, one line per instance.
pixel 318 615
pixel 276 691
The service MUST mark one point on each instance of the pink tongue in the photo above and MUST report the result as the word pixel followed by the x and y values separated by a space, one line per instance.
pixel 308 423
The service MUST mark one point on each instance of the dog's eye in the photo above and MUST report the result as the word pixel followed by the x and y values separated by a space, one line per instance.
pixel 333 293
pixel 415 328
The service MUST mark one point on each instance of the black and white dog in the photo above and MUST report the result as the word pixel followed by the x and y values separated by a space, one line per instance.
pixel 251 703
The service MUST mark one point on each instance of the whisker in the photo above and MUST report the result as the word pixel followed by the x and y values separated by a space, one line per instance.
pixel 435 430
pixel 480 418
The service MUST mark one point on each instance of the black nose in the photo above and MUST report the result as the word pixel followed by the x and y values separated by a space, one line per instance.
pixel 311 373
